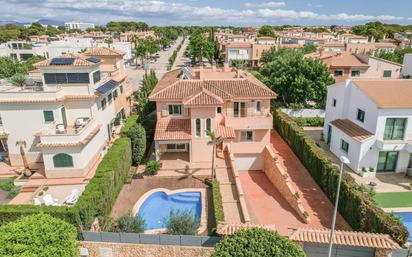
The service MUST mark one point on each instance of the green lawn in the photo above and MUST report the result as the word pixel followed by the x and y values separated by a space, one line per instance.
pixel 394 200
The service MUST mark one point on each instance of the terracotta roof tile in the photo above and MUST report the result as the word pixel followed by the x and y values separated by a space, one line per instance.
pixel 173 129
pixel 348 238
pixel 104 51
pixel 344 60
pixel 203 97
pixel 351 129
pixel 226 229
pixel 225 132
pixel 388 93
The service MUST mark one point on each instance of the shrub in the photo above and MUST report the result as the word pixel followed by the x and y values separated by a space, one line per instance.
pixel 181 222
pixel 218 214
pixel 7 185
pixel 152 167
pixel 38 235
pixel 101 192
pixel 129 223
pixel 257 242
pixel 359 210
pixel 137 135
pixel 130 121
pixel 309 121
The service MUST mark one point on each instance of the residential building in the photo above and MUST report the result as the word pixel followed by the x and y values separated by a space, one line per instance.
pixel 62 123
pixel 22 50
pixel 353 39
pixel 347 65
pixel 78 25
pixel 230 102
pixel 369 121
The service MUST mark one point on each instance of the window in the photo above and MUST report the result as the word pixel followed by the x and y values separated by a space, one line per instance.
pixel 387 73
pixel 246 136
pixel 355 73
pixel 121 89
pixel 175 109
pixel 234 52
pixel 115 94
pixel 48 116
pixel 410 162
pixel 208 124
pixel 360 116
pixel 338 73
pixel 387 161
pixel 236 109
pixel 174 147
pixel 344 146
pixel 242 109
pixel 110 98
pixel 103 104
pixel 66 78
pixel 394 129
pixel 258 106
pixel 62 160
pixel 334 102
pixel 219 109
pixel 96 76
pixel 197 127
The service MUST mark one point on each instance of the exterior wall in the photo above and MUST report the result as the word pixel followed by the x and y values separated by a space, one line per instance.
pixel 260 139
pixel 201 152
pixel 244 54
pixel 377 67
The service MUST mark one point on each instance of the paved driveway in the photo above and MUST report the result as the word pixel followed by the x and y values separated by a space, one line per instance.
pixel 267 206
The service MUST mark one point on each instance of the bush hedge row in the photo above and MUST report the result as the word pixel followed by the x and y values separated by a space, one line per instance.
pixel 309 121
pixel 218 214
pixel 130 121
pixel 359 210
pixel 96 200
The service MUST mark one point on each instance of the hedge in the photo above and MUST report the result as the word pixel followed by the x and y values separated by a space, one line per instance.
pixel 100 194
pixel 359 210
pixel 309 121
pixel 218 214
pixel 96 200
pixel 137 135
pixel 130 121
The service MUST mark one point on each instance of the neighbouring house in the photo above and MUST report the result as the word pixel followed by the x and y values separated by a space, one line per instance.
pixel 353 39
pixel 251 53
pixel 346 65
pixel 63 122
pixel 370 122
pixel 230 102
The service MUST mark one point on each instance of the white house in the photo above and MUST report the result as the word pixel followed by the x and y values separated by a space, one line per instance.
pixel 64 122
pixel 78 25
pixel 370 122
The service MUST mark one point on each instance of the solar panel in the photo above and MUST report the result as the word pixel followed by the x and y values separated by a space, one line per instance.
pixel 93 59
pixel 62 61
pixel 108 86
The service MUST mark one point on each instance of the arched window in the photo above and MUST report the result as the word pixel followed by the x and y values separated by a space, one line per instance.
pixel 208 124
pixel 198 129
pixel 62 160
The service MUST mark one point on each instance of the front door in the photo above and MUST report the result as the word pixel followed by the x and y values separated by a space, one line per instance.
pixel 64 118
pixel 387 161
pixel 329 135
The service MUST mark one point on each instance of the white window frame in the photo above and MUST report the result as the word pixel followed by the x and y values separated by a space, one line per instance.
pixel 200 129
pixel 260 106
pixel 247 141
pixel 174 114
pixel 175 149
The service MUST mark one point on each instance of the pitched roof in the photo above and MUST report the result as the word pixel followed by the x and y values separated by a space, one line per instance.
pixel 79 60
pixel 351 129
pixel 104 51
pixel 203 97
pixel 173 129
pixel 344 60
pixel 225 132
pixel 388 93
pixel 349 238
pixel 172 87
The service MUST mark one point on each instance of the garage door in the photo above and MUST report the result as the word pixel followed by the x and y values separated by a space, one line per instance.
pixel 248 162
pixel 321 250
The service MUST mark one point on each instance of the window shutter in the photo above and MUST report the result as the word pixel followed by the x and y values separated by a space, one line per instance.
pixel 48 116
pixel 185 111
pixel 249 107
pixel 165 110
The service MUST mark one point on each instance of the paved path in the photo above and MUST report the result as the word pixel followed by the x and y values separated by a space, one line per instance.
pixel 180 59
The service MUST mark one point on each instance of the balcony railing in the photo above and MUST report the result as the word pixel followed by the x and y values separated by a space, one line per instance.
pixel 250 122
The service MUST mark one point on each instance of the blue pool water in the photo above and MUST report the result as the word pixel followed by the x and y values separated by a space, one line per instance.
pixel 158 205
pixel 406 218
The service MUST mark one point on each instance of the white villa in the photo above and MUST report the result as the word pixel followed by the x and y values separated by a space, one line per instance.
pixel 65 121
pixel 370 122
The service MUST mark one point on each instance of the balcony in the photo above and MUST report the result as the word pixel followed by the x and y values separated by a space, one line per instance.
pixel 54 134
pixel 38 93
pixel 250 122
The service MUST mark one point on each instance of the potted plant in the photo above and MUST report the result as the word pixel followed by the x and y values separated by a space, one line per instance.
pixel 372 172
pixel 152 167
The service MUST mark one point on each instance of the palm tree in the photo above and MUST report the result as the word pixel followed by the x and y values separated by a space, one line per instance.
pixel 22 144
pixel 18 79
pixel 214 141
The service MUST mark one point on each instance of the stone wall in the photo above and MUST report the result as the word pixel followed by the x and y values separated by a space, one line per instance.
pixel 98 249
pixel 280 179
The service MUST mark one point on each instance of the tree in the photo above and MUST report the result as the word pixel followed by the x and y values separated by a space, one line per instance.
pixel 202 47
pixel 307 49
pixel 145 47
pixel 143 106
pixel 18 80
pixel 257 242
pixel 395 56
pixel 22 144
pixel 238 64
pixel 129 223
pixel 266 31
pixel 38 235
pixel 181 222
pixel 137 135
pixel 295 78
pixel 214 141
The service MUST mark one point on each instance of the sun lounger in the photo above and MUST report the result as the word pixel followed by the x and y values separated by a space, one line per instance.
pixel 49 201
pixel 73 197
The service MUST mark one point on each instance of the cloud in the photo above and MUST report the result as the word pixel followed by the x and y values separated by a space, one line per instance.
pixel 267 4
pixel 158 12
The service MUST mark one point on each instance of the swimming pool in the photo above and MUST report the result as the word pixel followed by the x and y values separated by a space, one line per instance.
pixel 157 206
pixel 406 218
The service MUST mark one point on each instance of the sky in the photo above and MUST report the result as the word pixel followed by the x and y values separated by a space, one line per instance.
pixel 211 12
